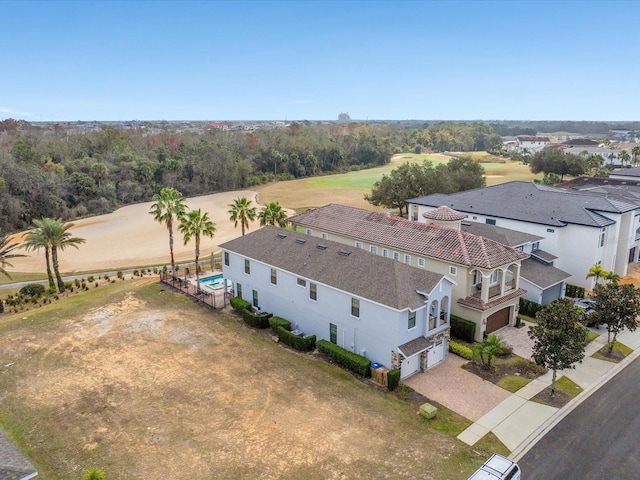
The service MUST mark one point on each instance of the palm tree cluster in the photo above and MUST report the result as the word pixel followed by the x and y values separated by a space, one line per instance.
pixel 171 206
pixel 597 272
pixel 242 212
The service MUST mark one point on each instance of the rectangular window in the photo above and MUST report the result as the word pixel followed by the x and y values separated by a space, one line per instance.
pixel 453 271
pixel 313 291
pixel 535 246
pixel 421 262
pixel 412 320
pixel 226 258
pixel 307 231
pixel 373 249
pixel 247 267
pixel 396 256
pixel 301 282
pixel 385 252
pixel 355 307
pixel 274 277
pixel 324 236
pixel 255 299
pixel 550 230
pixel 490 221
pixel 333 333
pixel 407 259
pixel 602 232
pixel 494 276
pixel 239 290
pixel 358 244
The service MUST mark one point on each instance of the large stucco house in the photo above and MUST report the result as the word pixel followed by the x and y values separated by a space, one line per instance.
pixel 486 273
pixel 579 228
pixel 387 311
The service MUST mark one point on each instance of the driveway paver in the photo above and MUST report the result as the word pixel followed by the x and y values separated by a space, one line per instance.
pixel 518 339
pixel 458 390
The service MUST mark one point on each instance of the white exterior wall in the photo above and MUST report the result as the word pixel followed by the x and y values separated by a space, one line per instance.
pixel 375 334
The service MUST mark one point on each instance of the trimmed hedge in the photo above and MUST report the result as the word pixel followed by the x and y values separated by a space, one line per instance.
pixel 260 320
pixel 574 291
pixel 32 290
pixel 276 322
pixel 529 308
pixel 354 362
pixel 393 379
pixel 460 350
pixel 304 344
pixel 239 304
pixel 463 329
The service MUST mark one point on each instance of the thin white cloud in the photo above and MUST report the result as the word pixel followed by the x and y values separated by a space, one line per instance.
pixel 11 111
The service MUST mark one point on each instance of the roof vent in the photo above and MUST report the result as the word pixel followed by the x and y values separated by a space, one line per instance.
pixel 344 253
pixel 282 235
pixel 321 246
pixel 301 241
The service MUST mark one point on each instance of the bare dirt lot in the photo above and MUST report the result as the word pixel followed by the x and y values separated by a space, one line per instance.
pixel 145 384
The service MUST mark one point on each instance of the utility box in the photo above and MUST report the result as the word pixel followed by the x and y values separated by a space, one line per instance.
pixel 428 411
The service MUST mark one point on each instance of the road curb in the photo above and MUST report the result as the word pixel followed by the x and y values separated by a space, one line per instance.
pixel 543 429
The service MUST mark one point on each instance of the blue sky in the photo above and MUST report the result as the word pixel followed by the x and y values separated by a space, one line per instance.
pixel 297 60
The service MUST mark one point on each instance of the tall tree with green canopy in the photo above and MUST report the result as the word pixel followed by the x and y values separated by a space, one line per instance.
pixel 242 211
pixel 557 161
pixel 6 249
pixel 616 306
pixel 38 238
pixel 194 225
pixel 597 272
pixel 559 339
pixel 273 214
pixel 624 157
pixel 59 238
pixel 635 151
pixel 169 206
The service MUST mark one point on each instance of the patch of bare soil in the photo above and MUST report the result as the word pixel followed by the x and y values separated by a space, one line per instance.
pixel 505 366
pixel 611 356
pixel 558 400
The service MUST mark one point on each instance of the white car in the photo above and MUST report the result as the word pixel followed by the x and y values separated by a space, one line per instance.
pixel 585 303
pixel 497 468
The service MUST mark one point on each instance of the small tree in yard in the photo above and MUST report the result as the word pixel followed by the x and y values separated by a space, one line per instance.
pixel 487 349
pixel 558 337
pixel 95 474
pixel 616 306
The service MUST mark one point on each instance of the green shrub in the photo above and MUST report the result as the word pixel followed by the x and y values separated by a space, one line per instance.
pixel 32 290
pixel 529 308
pixel 121 277
pixel 393 379
pixel 136 273
pixel 256 320
pixel 68 286
pixel 91 279
pixel 95 474
pixel 1 306
pixel 276 322
pixel 352 361
pixel 52 291
pixel 463 329
pixel 574 291
pixel 460 350
pixel 76 282
pixel 239 304
pixel 304 344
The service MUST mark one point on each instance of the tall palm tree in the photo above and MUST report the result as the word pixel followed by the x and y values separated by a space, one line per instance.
pixel 169 205
pixel 624 156
pixel 597 272
pixel 635 151
pixel 5 253
pixel 37 238
pixel 60 238
pixel 242 211
pixel 193 225
pixel 273 214
pixel 611 277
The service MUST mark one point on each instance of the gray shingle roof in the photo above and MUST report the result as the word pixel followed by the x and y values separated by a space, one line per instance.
pixel 627 172
pixel 530 202
pixel 542 275
pixel 505 236
pixel 360 273
pixel 414 346
pixel 447 244
pixel 13 465
pixel 546 257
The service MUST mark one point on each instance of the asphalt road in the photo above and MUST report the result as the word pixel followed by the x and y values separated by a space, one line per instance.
pixel 600 439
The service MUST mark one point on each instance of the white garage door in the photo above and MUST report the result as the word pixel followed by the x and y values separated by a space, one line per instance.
pixel 436 354
pixel 410 366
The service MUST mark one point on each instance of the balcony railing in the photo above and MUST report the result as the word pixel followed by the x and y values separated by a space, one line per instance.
pixel 494 291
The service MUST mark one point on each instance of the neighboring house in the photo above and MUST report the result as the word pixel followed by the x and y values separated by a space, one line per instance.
pixel 543 282
pixel 631 174
pixel 14 465
pixel 579 228
pixel 610 156
pixel 531 144
pixel 389 312
pixel 487 273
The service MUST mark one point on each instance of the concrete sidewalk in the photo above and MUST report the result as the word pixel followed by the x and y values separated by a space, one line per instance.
pixel 519 422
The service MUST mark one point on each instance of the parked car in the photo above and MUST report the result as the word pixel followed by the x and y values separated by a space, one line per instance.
pixel 585 303
pixel 497 468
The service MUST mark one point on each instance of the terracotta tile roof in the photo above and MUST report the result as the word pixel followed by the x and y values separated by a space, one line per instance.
pixel 478 304
pixel 350 269
pixel 444 214
pixel 447 244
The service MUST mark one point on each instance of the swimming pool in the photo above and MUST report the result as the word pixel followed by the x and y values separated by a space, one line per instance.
pixel 214 281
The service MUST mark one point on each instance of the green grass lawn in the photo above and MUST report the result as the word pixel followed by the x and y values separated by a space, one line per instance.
pixel 564 384
pixel 618 348
pixel 512 383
